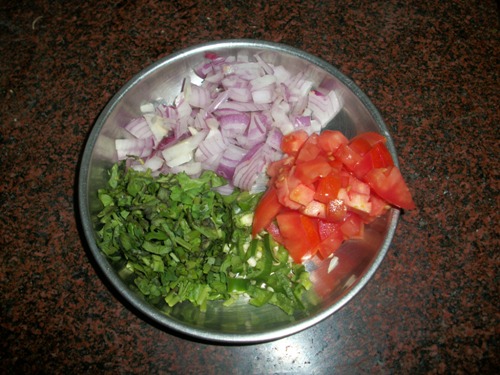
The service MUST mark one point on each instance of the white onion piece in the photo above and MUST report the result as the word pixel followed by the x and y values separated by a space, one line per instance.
pixel 183 151
pixel 157 126
pixel 154 163
pixel 192 168
pixel 137 147
pixel 139 128
pixel 324 107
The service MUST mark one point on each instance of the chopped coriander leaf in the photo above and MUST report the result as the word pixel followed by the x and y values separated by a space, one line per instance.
pixel 183 241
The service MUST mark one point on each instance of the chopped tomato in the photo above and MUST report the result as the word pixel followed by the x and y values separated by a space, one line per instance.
pixel 355 201
pixel 328 188
pixel 274 231
pixel 336 164
pixel 315 209
pixel 353 226
pixel 302 194
pixel 360 145
pixel 266 211
pixel 330 244
pixel 284 185
pixel 280 168
pixel 379 206
pixel 292 142
pixel 358 186
pixel 326 229
pixel 300 234
pixel 378 157
pixel 310 227
pixel 309 150
pixel 364 142
pixel 348 156
pixel 330 141
pixel 336 210
pixel 312 170
pixel 388 183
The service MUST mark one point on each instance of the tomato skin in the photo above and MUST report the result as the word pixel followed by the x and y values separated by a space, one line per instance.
pixel 330 140
pixel 274 231
pixel 378 157
pixel 360 145
pixel 309 150
pixel 300 234
pixel 266 210
pixel 348 156
pixel 328 188
pixel 291 143
pixel 284 185
pixel 365 139
pixel 331 243
pixel 280 168
pixel 336 210
pixel 379 206
pixel 352 226
pixel 389 184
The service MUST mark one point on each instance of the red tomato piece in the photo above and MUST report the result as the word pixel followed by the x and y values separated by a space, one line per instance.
pixel 274 231
pixel 372 138
pixel 379 206
pixel 309 150
pixel 330 140
pixel 355 201
pixel 336 210
pixel 336 164
pixel 310 227
pixel 266 210
pixel 315 209
pixel 348 156
pixel 360 145
pixel 327 228
pixel 328 188
pixel 353 226
pixel 378 157
pixel 280 167
pixel 300 234
pixel 284 185
pixel 302 194
pixel 389 184
pixel 331 243
pixel 309 172
pixel 358 186
pixel 291 143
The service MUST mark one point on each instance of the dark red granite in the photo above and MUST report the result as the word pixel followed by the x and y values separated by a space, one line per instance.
pixel 431 67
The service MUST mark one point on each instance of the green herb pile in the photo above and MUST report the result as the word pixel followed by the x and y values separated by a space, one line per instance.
pixel 183 241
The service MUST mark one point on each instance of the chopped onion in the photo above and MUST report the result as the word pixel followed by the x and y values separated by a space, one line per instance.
pixel 232 121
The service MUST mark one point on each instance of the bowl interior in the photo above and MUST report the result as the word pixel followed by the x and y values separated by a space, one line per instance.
pixel 357 260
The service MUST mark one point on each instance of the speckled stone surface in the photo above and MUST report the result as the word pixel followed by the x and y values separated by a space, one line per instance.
pixel 432 69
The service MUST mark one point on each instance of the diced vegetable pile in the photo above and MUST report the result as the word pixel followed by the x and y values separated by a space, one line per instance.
pixel 326 189
pixel 184 241
pixel 227 191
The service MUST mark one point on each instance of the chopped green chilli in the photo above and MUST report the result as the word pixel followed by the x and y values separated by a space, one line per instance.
pixel 183 241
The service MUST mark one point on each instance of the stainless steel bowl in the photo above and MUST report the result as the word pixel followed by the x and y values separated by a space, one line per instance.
pixel 239 323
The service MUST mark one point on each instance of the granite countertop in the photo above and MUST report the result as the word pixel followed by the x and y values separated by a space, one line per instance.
pixel 431 68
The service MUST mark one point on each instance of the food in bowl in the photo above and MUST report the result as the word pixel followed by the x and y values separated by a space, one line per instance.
pixel 323 286
pixel 180 208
